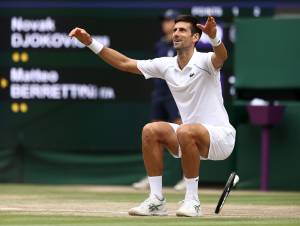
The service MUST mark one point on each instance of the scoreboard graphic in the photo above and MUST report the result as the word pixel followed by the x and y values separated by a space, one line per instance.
pixel 40 63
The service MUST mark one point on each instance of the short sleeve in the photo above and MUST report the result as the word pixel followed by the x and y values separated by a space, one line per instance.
pixel 151 68
pixel 210 65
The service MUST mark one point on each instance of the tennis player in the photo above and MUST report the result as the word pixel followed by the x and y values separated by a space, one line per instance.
pixel 194 81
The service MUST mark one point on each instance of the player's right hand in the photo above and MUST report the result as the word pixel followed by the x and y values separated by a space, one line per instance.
pixel 81 35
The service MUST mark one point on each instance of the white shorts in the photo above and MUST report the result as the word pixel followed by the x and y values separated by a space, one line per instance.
pixel 222 141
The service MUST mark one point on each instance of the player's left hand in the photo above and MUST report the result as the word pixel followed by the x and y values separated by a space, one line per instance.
pixel 210 27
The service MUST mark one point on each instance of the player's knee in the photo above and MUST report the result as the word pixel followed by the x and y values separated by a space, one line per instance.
pixel 149 132
pixel 184 134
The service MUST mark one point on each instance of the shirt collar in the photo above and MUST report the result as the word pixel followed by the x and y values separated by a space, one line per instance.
pixel 190 64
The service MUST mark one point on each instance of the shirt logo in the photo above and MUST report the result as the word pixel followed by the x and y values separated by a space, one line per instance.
pixel 192 74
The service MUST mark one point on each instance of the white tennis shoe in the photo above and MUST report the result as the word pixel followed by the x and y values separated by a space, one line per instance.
pixel 190 208
pixel 152 206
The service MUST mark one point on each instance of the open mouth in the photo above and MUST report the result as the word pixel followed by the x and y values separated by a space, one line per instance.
pixel 176 41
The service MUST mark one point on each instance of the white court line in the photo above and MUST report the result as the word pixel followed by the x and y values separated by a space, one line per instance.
pixel 61 210
pixel 69 211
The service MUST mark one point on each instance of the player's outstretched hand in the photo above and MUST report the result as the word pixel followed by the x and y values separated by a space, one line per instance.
pixel 81 35
pixel 210 27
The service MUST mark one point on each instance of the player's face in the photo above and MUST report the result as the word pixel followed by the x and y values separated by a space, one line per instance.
pixel 182 36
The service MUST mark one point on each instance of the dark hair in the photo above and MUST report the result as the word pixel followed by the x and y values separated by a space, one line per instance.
pixel 192 20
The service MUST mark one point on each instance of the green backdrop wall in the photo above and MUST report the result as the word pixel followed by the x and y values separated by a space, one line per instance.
pixel 266 53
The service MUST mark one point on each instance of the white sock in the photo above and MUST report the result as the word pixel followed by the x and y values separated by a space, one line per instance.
pixel 156 186
pixel 191 188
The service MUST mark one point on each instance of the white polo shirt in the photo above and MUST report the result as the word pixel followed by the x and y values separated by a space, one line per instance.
pixel 196 88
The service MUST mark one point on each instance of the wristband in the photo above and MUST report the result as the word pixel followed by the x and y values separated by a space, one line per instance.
pixel 215 41
pixel 95 46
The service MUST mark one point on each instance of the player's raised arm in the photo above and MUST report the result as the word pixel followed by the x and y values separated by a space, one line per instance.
pixel 220 52
pixel 110 56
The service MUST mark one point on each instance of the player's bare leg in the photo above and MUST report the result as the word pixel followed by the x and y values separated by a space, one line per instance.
pixel 144 183
pixel 194 142
pixel 155 137
pixel 180 185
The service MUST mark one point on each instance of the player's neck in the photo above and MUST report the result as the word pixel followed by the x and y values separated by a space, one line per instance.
pixel 184 56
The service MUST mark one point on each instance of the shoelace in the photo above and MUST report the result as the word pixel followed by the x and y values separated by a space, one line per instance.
pixel 150 205
pixel 182 201
pixel 146 202
pixel 149 201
